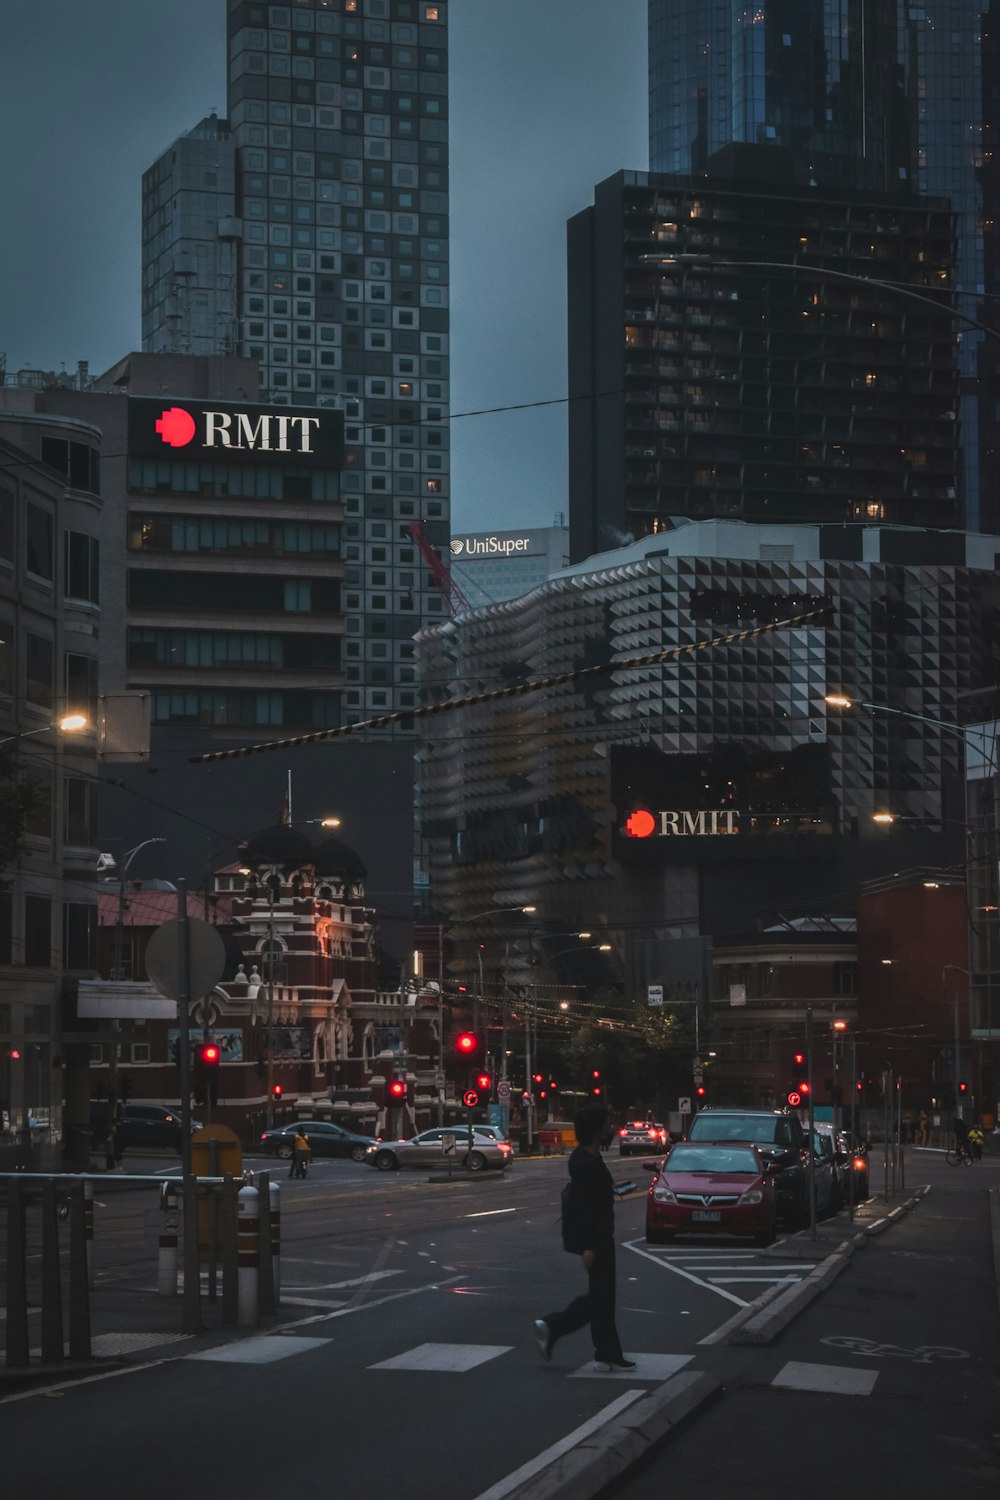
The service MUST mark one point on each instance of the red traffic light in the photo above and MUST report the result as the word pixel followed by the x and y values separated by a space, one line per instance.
pixel 276 1090
pixel 794 1098
pixel 700 1091
pixel 397 1089
pixel 804 1089
pixel 963 1088
pixel 484 1082
pixel 595 1073
pixel 800 1058
pixel 466 1043
pixel 211 1054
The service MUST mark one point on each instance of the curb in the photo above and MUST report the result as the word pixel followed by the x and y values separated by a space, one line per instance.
pixel 995 1234
pixel 612 1454
pixel 762 1322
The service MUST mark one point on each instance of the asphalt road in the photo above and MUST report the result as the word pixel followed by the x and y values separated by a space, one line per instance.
pixel 402 1358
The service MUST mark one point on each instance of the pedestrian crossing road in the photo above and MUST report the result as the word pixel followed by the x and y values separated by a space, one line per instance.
pixel 739 1275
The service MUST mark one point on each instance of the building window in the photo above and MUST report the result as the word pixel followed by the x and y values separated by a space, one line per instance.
pixel 79 812
pixel 38 542
pixel 37 932
pixel 81 685
pixel 39 667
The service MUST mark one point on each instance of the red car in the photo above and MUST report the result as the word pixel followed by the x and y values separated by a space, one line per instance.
pixel 711 1189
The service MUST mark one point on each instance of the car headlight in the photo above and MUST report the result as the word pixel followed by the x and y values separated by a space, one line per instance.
pixel 753 1196
pixel 663 1194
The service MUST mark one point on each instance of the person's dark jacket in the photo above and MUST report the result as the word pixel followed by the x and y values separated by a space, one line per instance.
pixel 588 1204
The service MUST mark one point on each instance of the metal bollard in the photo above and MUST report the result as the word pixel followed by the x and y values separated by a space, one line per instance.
pixel 248 1251
pixel 166 1279
pixel 88 1228
pixel 52 1320
pixel 17 1352
pixel 275 1197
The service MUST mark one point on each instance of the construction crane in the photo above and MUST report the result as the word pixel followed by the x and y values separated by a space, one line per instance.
pixel 455 601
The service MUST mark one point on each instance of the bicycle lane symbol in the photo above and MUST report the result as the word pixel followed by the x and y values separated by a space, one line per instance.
pixel 923 1354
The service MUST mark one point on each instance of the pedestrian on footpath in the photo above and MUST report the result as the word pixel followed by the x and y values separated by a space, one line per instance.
pixel 300 1154
pixel 588 1230
pixel 923 1134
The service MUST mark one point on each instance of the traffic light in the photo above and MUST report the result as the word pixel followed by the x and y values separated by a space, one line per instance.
pixel 276 1091
pixel 207 1057
pixel 800 1059
pixel 397 1090
pixel 467 1045
pixel 963 1088
pixel 538 1078
pixel 596 1088
pixel 793 1098
pixel 484 1083
pixel 700 1091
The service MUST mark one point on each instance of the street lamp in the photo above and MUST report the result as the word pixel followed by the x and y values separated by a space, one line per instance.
pixel 68 724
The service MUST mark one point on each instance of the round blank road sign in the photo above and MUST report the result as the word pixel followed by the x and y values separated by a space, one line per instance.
pixel 207 959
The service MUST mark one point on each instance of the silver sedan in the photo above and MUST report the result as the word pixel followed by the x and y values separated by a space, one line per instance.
pixel 438 1148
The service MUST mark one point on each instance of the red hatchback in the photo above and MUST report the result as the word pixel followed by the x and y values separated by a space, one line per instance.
pixel 711 1189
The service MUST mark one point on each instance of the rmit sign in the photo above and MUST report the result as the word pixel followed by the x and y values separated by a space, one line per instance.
pixel 643 824
pixel 219 432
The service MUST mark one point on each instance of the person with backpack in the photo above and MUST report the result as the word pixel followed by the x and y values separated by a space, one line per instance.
pixel 588 1230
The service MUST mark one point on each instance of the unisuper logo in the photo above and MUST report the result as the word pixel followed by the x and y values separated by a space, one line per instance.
pixel 457 547
pixel 176 426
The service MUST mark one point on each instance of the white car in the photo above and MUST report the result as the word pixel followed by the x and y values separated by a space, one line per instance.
pixel 428 1150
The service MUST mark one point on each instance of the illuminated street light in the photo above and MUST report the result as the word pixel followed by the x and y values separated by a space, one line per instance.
pixel 68 724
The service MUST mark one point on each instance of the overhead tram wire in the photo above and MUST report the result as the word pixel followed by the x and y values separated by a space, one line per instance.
pixel 513 690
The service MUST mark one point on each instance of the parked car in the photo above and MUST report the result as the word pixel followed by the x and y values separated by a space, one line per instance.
pixel 325 1139
pixel 713 1189
pixel 141 1127
pixel 642 1136
pixel 857 1156
pixel 781 1140
pixel 427 1150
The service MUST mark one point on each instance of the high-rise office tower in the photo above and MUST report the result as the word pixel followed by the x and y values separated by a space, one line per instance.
pixel 862 95
pixel 336 229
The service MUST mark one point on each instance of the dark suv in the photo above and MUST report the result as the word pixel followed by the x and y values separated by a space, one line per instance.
pixel 141 1127
pixel 779 1137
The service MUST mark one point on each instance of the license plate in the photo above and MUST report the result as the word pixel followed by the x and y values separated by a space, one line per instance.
pixel 706 1216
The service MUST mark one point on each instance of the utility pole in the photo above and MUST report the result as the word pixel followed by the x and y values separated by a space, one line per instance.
pixel 269 1053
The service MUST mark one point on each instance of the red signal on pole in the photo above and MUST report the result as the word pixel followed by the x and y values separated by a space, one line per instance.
pixel 484 1081
pixel 210 1054
pixel 466 1043
pixel 397 1089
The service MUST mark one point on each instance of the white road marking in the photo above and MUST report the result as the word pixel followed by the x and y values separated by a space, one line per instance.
pixel 657 1367
pixel 541 1460
pixel 260 1351
pixel 679 1271
pixel 831 1380
pixel 336 1286
pixel 491 1213
pixel 450 1359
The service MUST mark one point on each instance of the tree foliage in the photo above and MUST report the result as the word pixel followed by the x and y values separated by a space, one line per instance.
pixel 644 1058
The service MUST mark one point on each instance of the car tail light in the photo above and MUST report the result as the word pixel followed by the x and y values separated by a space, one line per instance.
pixel 859 1164
pixel 264 1136
pixel 623 1131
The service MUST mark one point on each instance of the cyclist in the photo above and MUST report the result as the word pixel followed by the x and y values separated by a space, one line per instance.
pixel 961 1130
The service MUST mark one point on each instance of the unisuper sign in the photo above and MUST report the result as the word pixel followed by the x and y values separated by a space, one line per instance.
pixel 489 546
pixel 219 432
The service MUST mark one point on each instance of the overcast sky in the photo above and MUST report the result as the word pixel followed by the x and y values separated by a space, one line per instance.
pixel 547 98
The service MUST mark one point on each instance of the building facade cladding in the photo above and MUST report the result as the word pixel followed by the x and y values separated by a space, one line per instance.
pixel 752 392
pixel 339 119
pixel 50 502
pixel 887 97
pixel 525 800
pixel 983 872
pixel 189 235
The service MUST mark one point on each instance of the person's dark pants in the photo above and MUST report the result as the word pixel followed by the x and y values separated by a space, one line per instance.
pixel 596 1307
pixel 297 1165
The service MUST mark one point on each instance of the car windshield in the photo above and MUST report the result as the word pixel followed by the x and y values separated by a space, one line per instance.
pixel 712 1159
pixel 763 1130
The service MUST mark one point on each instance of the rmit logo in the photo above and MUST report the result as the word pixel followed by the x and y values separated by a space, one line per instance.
pixel 266 433
pixel 640 824
pixel 176 426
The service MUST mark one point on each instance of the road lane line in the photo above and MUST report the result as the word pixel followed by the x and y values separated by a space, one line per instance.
pixel 490 1213
pixel 679 1271
pixel 549 1455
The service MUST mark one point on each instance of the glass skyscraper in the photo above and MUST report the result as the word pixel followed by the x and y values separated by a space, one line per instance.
pixel 884 96
pixel 315 240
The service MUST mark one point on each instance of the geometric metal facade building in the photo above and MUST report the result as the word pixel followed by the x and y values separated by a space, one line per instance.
pixel 530 798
